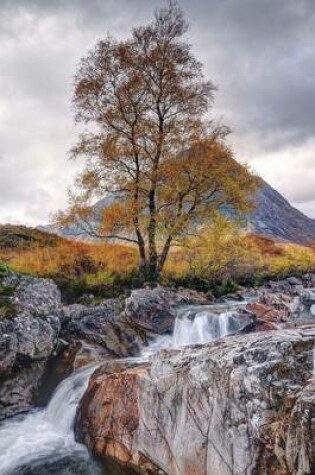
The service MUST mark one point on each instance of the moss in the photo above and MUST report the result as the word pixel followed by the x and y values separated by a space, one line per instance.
pixel 4 269
pixel 7 307
pixel 227 287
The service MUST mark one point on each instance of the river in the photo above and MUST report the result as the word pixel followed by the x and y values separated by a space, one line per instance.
pixel 42 442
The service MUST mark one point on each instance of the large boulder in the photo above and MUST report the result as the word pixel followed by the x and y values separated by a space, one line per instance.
pixel 241 405
pixel 30 322
pixel 103 326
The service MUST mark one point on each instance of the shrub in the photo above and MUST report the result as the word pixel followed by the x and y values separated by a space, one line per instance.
pixel 4 268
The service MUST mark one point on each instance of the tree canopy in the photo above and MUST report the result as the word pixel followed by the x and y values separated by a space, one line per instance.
pixel 149 142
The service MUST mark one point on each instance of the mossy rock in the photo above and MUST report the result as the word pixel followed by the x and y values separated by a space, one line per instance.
pixel 7 307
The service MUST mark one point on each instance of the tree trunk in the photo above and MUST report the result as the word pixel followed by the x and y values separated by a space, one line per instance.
pixel 153 257
pixel 142 259
pixel 164 254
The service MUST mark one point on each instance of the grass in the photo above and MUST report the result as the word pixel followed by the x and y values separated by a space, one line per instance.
pixel 222 262
pixel 77 267
pixel 219 260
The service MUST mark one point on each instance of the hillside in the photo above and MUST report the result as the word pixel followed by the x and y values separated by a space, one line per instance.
pixel 15 237
pixel 273 217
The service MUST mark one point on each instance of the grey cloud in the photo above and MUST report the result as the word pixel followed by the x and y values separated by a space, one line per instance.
pixel 262 55
pixel 259 52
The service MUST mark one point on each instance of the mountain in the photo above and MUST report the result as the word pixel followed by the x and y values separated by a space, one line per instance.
pixel 273 217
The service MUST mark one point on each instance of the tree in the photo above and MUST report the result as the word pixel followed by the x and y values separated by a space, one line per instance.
pixel 150 142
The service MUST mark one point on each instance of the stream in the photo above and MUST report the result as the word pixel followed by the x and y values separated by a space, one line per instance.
pixel 42 442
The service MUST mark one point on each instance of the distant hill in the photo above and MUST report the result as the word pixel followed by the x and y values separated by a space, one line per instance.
pixel 273 217
pixel 13 237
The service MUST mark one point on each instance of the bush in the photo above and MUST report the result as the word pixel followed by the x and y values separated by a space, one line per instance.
pixel 4 268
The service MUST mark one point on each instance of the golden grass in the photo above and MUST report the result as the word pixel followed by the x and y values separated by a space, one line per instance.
pixel 218 258
pixel 214 257
pixel 72 258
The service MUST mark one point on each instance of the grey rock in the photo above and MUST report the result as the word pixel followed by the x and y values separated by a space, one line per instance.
pixel 28 337
pixel 308 296
pixel 294 281
pixel 18 390
pixel 102 325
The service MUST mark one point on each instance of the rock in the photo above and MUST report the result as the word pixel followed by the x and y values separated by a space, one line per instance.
pixel 71 464
pixel 123 330
pixel 29 330
pixel 294 281
pixel 37 297
pixel 309 280
pixel 86 354
pixel 241 405
pixel 102 325
pixel 279 286
pixel 121 417
pixel 267 313
pixel 300 449
pixel 192 297
pixel 35 321
pixel 18 390
pixel 8 346
pixel 154 310
pixel 308 296
pixel 258 326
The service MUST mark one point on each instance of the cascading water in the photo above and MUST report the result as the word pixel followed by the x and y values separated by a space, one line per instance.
pixel 46 434
pixel 202 327
pixel 199 324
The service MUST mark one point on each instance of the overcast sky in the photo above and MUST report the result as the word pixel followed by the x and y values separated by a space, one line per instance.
pixel 261 54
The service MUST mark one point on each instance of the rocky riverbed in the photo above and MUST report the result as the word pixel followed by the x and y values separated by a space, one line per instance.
pixel 239 400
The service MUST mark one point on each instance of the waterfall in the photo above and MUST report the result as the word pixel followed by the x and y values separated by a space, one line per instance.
pixel 199 326
pixel 46 432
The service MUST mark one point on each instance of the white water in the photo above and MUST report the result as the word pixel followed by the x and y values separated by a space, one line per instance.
pixel 47 432
pixel 199 324
pixel 202 327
